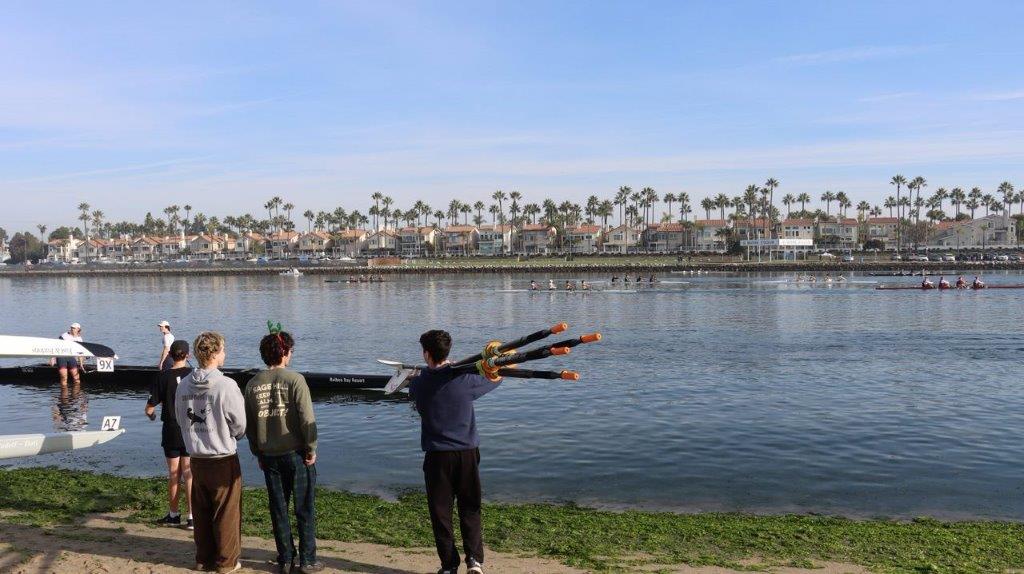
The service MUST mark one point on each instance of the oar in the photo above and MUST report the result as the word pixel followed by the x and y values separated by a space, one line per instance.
pixel 531 374
pixel 522 341
pixel 559 348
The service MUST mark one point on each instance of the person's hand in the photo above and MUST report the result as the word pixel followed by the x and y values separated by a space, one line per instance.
pixel 310 459
pixel 151 412
pixel 259 460
pixel 53 361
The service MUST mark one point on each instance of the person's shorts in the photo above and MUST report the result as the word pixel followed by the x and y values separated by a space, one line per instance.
pixel 67 363
pixel 174 446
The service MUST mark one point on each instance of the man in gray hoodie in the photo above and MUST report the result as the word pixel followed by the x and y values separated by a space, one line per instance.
pixel 211 413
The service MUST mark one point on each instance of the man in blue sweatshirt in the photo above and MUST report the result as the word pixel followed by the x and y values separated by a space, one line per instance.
pixel 451 466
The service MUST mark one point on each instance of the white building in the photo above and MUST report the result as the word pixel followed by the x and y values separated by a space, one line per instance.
pixel 709 234
pixel 790 249
pixel 988 231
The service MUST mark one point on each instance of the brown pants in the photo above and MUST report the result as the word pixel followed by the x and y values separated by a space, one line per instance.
pixel 217 510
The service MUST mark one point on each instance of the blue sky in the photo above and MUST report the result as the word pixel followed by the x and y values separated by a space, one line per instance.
pixel 135 106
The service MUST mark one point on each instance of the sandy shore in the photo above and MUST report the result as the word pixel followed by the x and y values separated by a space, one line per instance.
pixel 105 543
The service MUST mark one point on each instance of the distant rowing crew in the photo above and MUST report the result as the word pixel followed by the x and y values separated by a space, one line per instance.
pixel 960 283
pixel 570 284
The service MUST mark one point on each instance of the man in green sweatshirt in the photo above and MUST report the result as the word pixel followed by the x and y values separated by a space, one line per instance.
pixel 282 435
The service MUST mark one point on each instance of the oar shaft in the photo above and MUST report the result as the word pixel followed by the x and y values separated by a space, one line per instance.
pixel 532 374
pixel 531 338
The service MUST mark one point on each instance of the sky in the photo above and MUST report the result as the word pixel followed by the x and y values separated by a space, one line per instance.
pixel 132 107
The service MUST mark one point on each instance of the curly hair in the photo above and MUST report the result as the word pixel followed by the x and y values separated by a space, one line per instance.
pixel 206 345
pixel 275 346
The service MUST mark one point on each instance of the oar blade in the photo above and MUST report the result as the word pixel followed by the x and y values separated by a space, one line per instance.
pixel 398 382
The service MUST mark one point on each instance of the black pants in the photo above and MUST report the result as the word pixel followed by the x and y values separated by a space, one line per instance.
pixel 455 475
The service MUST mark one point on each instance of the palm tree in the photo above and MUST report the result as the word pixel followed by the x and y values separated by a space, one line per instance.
pixel 376 197
pixel 1006 189
pixel 957 198
pixel 493 210
pixel 828 197
pixel 621 198
pixel 707 204
pixel 986 201
pixel 669 198
pixel 972 204
pixel 466 209
pixel 605 210
pixel 188 210
pixel 898 180
pixel 804 199
pixel 310 216
pixel 722 202
pixel 917 184
pixel 770 185
pixel 514 198
pixel 940 196
pixel 500 197
pixel 788 200
pixel 83 216
pixel 684 204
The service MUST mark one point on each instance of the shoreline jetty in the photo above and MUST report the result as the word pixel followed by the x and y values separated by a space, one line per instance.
pixel 546 266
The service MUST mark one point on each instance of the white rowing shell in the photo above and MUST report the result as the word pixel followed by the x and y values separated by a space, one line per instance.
pixel 19 445
pixel 11 346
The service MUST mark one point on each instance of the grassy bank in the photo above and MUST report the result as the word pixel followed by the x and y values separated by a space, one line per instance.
pixel 583 537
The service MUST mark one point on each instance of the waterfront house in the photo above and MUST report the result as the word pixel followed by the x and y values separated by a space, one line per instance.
pixel 997 230
pixel 145 248
pixel 841 233
pixel 710 234
pixel 756 228
pixel 416 241
pixel 621 239
pixel 881 229
pixel 117 249
pixel 348 243
pixel 495 239
pixel 205 246
pixel 282 243
pixel 172 246
pixel 797 228
pixel 536 238
pixel 668 237
pixel 90 249
pixel 314 243
pixel 381 243
pixel 245 246
pixel 460 239
pixel 58 250
pixel 583 239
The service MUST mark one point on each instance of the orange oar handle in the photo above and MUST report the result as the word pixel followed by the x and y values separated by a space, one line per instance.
pixel 570 376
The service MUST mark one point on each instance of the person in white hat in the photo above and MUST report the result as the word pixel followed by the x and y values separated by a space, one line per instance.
pixel 70 365
pixel 165 362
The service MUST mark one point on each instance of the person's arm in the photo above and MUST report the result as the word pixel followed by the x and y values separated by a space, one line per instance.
pixel 234 410
pixel 480 386
pixel 156 391
pixel 163 357
pixel 250 415
pixel 307 419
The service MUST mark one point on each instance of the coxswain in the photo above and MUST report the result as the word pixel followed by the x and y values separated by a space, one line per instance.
pixel 551 285
pixel 960 283
pixel 926 284
pixel 943 284
pixel 978 283
pixel 584 286
pixel 533 285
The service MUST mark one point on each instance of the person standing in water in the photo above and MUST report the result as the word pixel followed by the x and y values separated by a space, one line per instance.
pixel 179 467
pixel 165 361
pixel 69 365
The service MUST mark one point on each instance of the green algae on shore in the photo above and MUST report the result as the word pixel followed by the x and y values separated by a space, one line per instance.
pixel 593 539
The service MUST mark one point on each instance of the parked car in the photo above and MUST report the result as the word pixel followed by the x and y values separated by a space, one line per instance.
pixel 847 258
pixel 936 258
pixel 1002 258
pixel 949 257
pixel 896 257
pixel 826 255
pixel 1016 258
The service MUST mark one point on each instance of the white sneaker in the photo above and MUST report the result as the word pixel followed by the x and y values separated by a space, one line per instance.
pixel 474 567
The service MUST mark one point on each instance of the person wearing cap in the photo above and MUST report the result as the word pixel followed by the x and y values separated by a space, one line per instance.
pixel 70 365
pixel 165 361
pixel 179 468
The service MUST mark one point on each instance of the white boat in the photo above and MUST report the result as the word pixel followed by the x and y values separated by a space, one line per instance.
pixel 40 347
pixel 19 445
pixel 293 272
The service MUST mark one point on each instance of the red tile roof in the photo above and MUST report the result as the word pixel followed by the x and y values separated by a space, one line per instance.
pixel 712 222
pixel 585 229
pixel 797 221
pixel 883 220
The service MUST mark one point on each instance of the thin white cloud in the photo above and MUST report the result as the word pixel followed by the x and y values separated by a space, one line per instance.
pixel 886 97
pixel 999 96
pixel 853 54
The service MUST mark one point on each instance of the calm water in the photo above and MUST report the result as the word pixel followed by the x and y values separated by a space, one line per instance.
pixel 726 393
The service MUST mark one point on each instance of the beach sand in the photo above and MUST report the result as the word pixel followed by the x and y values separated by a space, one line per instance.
pixel 105 543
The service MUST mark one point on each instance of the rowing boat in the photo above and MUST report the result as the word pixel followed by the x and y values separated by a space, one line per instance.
pixel 920 288
pixel 143 376
pixel 40 347
pixel 20 445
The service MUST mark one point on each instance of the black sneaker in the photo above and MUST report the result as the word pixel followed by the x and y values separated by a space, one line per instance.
pixel 190 525
pixel 170 520
pixel 474 566
pixel 314 567
pixel 448 571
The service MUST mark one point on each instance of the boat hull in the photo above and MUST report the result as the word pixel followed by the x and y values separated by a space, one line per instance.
pixel 142 376
pixel 21 445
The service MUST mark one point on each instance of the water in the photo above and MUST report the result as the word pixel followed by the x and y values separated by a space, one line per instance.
pixel 726 393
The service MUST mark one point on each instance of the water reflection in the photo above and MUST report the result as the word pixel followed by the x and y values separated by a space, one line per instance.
pixel 70 408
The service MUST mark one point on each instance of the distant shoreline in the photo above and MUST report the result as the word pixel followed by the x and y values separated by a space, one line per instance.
pixel 466 267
